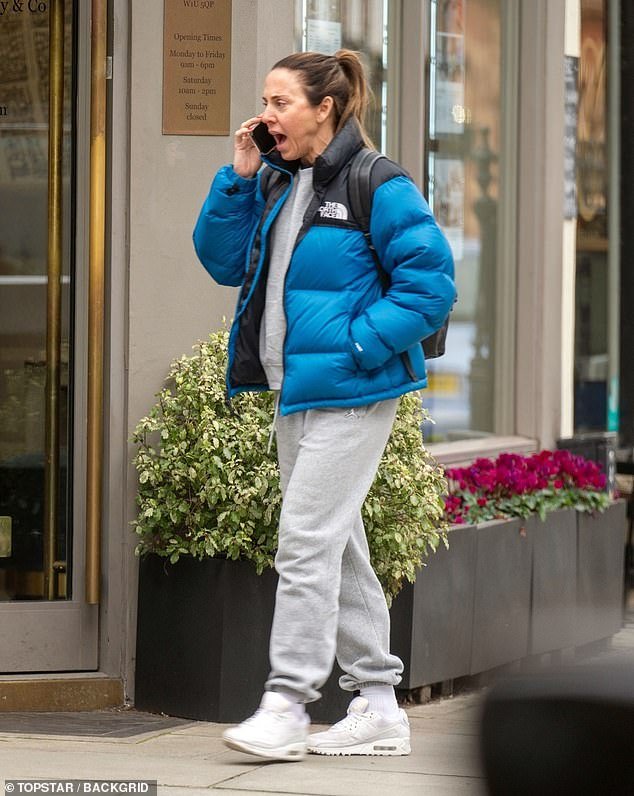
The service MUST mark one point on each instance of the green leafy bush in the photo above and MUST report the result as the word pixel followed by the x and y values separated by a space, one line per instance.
pixel 208 487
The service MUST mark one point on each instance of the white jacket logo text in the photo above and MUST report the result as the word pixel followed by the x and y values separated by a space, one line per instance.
pixel 334 210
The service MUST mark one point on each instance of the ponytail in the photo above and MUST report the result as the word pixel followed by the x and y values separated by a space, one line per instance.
pixel 360 93
pixel 340 76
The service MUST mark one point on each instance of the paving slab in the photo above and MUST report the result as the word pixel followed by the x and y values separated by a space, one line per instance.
pixel 334 779
pixel 443 728
pixel 62 763
pixel 188 758
pixel 170 791
pixel 462 705
pixel 163 745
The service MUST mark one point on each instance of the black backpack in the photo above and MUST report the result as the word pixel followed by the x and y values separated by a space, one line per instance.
pixel 360 198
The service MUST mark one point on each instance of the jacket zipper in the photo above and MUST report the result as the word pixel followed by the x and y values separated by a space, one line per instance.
pixel 306 224
pixel 243 305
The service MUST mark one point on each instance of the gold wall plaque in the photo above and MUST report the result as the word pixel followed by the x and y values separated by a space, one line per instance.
pixel 5 537
pixel 196 67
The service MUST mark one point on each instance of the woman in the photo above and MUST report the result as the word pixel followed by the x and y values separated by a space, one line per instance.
pixel 313 325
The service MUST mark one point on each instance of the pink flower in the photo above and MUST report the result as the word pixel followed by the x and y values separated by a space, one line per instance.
pixel 512 475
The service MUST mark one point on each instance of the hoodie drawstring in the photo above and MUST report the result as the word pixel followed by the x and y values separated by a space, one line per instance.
pixel 275 412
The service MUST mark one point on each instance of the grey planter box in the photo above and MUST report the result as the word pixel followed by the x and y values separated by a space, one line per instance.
pixel 554 581
pixel 501 615
pixel 432 619
pixel 202 641
pixel 600 572
pixel 503 590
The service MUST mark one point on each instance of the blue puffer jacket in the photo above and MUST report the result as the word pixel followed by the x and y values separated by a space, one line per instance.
pixel 347 343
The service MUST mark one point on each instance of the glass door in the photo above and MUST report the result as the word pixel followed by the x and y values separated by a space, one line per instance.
pixel 46 626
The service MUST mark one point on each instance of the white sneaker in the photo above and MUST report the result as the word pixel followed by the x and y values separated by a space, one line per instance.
pixel 363 732
pixel 274 731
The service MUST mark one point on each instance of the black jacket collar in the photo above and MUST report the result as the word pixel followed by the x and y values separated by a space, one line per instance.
pixel 339 151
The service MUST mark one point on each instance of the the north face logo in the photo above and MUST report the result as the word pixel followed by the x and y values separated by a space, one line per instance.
pixel 334 210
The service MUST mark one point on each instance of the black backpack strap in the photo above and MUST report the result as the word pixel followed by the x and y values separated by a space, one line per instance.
pixel 360 198
pixel 359 187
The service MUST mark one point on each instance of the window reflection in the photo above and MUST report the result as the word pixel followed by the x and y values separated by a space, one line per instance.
pixel 591 295
pixel 24 87
pixel 463 153
pixel 360 25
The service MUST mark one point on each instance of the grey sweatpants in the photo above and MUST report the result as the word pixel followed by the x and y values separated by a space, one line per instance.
pixel 329 601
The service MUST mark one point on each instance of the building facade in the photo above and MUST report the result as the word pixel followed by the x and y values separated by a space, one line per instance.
pixel 506 114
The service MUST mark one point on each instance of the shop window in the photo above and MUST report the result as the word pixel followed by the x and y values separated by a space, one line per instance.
pixel 594 362
pixel 464 163
pixel 329 25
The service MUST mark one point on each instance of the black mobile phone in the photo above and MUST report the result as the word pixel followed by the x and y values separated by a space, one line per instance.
pixel 263 140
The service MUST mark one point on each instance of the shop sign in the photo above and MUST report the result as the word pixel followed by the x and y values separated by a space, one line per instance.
pixel 196 67
pixel 9 8
pixel 323 36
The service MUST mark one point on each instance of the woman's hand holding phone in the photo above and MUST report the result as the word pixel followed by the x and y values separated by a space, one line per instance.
pixel 246 156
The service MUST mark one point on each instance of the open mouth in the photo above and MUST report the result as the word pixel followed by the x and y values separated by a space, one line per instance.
pixel 279 139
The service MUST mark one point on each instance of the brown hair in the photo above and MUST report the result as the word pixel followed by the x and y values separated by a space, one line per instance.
pixel 340 76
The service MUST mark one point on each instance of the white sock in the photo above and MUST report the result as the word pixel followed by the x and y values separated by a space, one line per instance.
pixel 381 699
pixel 298 709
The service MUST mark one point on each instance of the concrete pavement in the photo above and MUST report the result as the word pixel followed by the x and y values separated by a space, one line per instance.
pixel 189 759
